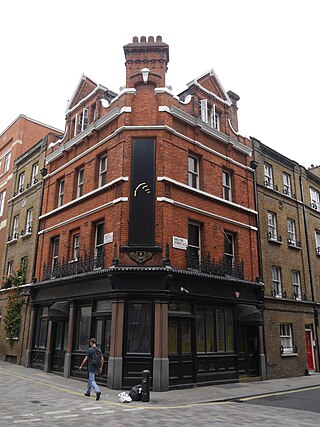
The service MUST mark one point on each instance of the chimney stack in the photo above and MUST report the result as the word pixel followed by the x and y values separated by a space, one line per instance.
pixel 147 54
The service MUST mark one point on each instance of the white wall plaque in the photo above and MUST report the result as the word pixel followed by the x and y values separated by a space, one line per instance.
pixel 179 243
pixel 108 238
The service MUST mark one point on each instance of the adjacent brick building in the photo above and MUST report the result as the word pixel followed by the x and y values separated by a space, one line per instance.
pixel 21 159
pixel 148 234
pixel 289 216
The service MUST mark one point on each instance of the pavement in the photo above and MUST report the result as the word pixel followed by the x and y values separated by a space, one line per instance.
pixel 173 398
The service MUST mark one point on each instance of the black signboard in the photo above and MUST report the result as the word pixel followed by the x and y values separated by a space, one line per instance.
pixel 142 193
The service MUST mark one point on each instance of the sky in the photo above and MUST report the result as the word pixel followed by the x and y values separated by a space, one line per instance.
pixel 265 51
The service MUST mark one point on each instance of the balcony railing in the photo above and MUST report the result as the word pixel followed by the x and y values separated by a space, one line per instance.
pixel 217 268
pixel 71 268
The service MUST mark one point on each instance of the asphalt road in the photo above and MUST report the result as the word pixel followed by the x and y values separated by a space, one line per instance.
pixel 302 400
pixel 31 397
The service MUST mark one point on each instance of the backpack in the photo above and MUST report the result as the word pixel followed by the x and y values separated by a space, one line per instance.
pixel 96 358
pixel 136 392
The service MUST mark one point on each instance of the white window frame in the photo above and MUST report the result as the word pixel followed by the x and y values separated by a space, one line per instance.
pixel 34 173
pixel 315 198
pixel 55 251
pixel 61 192
pixel 80 182
pixel 10 268
pixel 292 239
pixel 229 256
pixel 98 245
pixel 272 226
pixel 226 185
pixel 103 166
pixel 76 246
pixel 286 339
pixel 276 282
pixel 286 184
pixel 317 240
pixel 209 114
pixel 29 219
pixel 21 182
pixel 15 228
pixel 296 284
pixel 7 162
pixel 2 201
pixel 81 121
pixel 193 171
pixel 268 175
pixel 195 248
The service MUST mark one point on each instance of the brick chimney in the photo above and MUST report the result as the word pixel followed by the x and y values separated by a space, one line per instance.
pixel 149 55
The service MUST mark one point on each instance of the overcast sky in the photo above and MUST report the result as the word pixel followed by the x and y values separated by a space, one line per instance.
pixel 265 51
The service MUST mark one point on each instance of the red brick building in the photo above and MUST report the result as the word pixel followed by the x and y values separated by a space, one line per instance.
pixel 148 233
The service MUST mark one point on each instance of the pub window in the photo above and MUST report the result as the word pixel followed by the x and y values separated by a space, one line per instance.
pixel 41 328
pixel 102 324
pixel 173 336
pixel 139 328
pixel 220 330
pixel 84 325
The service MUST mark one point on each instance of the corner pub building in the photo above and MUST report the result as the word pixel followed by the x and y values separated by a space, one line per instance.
pixel 148 234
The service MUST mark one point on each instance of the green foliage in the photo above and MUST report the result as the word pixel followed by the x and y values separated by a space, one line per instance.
pixel 12 318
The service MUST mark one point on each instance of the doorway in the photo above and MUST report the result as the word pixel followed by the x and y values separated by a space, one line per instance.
pixel 59 346
pixel 181 363
pixel 248 347
pixel 309 349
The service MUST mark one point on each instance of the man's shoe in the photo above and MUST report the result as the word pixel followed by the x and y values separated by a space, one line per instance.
pixel 87 394
pixel 98 395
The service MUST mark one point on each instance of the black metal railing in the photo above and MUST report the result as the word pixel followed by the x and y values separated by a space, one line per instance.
pixel 81 265
pixel 208 265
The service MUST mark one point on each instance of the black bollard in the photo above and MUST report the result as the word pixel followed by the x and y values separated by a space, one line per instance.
pixel 145 394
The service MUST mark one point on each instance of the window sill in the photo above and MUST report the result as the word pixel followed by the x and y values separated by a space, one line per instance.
pixel 292 246
pixel 12 339
pixel 289 354
pixel 9 242
pixel 24 236
pixel 276 241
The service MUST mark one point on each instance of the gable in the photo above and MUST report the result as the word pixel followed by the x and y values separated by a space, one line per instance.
pixel 209 82
pixel 83 89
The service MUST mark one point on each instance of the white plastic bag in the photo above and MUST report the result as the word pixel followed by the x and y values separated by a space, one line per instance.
pixel 124 397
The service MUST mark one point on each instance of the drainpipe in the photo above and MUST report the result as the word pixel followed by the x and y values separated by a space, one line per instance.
pixel 43 172
pixel 262 355
pixel 315 311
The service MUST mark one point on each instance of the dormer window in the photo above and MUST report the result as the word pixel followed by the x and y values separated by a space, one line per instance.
pixel 209 114
pixel 81 121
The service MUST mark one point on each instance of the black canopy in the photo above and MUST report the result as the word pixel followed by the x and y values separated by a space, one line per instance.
pixel 59 310
pixel 249 315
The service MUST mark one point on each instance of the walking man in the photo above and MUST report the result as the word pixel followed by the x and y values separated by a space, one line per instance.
pixel 95 366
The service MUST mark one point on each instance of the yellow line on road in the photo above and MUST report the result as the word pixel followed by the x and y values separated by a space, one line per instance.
pixel 65 390
pixel 278 393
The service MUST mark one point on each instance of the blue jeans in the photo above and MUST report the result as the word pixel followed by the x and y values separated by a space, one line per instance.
pixel 92 383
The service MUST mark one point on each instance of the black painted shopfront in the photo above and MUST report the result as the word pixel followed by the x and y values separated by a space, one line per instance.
pixel 185 327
